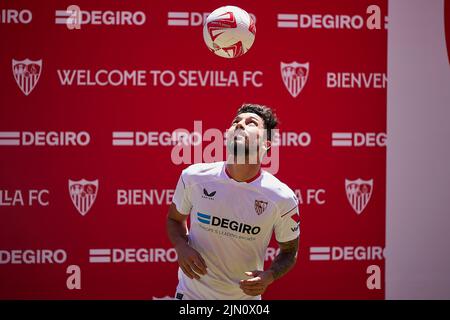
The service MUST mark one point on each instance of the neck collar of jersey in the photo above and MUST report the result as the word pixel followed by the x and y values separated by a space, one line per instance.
pixel 246 181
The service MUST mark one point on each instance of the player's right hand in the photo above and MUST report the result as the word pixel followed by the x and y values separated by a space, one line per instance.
pixel 190 261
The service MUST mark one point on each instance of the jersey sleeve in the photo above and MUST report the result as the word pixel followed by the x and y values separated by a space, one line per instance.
pixel 181 197
pixel 287 226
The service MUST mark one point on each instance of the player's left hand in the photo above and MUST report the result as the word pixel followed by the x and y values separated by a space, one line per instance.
pixel 258 282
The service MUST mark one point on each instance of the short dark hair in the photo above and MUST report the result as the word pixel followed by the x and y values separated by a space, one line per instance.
pixel 267 114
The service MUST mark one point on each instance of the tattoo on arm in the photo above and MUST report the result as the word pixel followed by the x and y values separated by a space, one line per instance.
pixel 286 259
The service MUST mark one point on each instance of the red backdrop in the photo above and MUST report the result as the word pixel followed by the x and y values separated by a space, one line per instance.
pixel 338 130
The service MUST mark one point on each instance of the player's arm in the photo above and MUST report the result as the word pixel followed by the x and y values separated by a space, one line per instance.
pixel 177 228
pixel 285 260
pixel 190 261
pixel 281 265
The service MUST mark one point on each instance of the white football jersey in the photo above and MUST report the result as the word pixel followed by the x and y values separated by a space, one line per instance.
pixel 231 224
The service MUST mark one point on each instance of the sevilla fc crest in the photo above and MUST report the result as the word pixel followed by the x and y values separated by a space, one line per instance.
pixel 26 73
pixel 294 76
pixel 260 206
pixel 358 193
pixel 83 194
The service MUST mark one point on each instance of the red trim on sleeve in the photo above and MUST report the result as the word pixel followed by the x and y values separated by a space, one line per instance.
pixel 296 217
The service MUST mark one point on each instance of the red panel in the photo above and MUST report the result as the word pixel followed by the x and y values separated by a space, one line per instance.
pixel 332 134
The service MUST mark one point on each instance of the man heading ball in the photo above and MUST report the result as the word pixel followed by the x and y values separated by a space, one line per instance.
pixel 234 208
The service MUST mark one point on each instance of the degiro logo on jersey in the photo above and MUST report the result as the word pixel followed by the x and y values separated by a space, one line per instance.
pixel 227 224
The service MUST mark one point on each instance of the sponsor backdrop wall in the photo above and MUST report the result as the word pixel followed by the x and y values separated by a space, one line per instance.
pixel 86 139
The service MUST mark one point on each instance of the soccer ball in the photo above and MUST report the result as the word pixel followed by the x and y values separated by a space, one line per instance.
pixel 229 31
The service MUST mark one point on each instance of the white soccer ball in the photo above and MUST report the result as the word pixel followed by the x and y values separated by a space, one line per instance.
pixel 229 31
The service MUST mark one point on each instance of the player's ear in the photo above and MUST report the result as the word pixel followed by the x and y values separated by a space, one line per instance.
pixel 267 143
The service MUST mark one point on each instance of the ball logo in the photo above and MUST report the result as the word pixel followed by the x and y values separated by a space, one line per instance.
pixel 294 76
pixel 83 194
pixel 27 73
pixel 358 193
pixel 216 27
pixel 235 50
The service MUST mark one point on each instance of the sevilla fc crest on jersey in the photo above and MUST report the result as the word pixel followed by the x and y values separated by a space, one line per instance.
pixel 260 206
pixel 83 194
pixel 294 76
pixel 27 73
pixel 358 193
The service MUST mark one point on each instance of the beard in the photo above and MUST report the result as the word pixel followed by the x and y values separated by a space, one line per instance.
pixel 243 151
